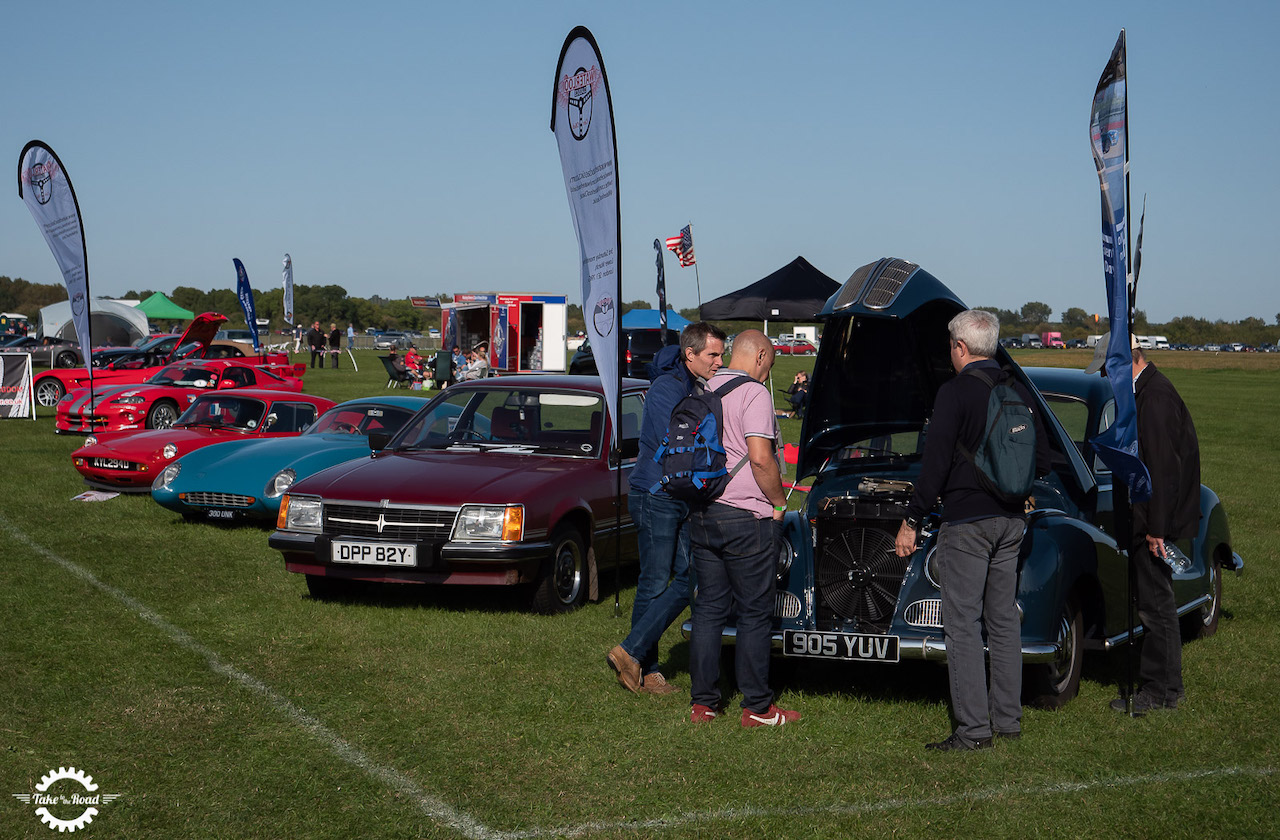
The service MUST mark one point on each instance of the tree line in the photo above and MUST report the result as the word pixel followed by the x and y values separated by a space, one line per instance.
pixel 332 304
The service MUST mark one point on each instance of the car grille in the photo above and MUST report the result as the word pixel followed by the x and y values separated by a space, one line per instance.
pixel 218 500
pixel 926 613
pixel 857 574
pixel 412 524
pixel 786 605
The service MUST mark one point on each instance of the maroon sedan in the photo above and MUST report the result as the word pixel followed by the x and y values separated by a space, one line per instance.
pixel 499 481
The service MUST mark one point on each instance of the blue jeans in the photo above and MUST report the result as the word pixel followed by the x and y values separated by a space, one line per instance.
pixel 978 562
pixel 735 559
pixel 662 591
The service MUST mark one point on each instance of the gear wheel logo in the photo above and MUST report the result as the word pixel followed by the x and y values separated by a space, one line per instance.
pixel 66 797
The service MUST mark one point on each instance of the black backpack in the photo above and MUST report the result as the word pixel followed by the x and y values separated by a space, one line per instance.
pixel 694 463
pixel 1005 459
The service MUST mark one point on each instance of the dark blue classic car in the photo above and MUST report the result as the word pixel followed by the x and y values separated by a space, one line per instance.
pixel 842 591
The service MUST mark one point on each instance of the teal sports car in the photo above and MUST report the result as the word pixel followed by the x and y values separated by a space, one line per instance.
pixel 244 480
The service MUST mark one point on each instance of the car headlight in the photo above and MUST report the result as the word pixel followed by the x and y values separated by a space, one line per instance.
pixel 489 522
pixel 300 514
pixel 279 483
pixel 67 397
pixel 931 572
pixel 91 440
pixel 786 556
pixel 129 400
pixel 170 451
pixel 166 477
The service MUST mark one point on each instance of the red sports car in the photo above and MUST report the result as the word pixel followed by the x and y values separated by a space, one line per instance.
pixel 196 343
pixel 156 403
pixel 130 461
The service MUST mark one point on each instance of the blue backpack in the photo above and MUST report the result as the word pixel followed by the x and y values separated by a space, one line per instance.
pixel 1005 459
pixel 692 457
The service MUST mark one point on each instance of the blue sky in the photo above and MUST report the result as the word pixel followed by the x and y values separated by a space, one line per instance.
pixel 400 149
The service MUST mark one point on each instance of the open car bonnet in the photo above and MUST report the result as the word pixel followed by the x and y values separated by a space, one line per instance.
pixel 884 354
pixel 201 330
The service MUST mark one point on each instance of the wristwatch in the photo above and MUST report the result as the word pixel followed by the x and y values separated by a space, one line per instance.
pixel 912 523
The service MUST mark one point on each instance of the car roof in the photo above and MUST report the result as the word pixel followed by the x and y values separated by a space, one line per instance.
pixel 548 381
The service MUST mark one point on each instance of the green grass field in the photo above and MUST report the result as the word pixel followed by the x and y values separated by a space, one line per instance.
pixel 185 670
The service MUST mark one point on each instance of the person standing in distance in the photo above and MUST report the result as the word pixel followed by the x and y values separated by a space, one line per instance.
pixel 735 550
pixel 1169 448
pixel 335 345
pixel 662 590
pixel 316 341
pixel 978 544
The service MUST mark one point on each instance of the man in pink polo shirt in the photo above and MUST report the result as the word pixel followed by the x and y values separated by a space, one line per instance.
pixel 734 548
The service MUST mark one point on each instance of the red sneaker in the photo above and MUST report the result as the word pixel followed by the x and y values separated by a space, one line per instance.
pixel 702 714
pixel 773 717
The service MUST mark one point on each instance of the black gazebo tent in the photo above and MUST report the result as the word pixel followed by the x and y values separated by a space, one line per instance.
pixel 795 292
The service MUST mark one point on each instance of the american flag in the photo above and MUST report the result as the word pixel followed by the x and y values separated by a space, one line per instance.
pixel 682 246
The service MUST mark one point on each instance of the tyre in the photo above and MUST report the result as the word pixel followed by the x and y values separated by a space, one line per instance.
pixel 1203 623
pixel 48 391
pixel 162 415
pixel 562 586
pixel 1051 685
pixel 66 359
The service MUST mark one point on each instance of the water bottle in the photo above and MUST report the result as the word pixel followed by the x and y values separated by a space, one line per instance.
pixel 1176 560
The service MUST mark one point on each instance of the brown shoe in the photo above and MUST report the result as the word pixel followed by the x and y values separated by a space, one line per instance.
pixel 655 683
pixel 628 669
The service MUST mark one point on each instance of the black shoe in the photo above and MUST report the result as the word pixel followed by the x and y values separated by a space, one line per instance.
pixel 1008 736
pixel 1143 702
pixel 955 742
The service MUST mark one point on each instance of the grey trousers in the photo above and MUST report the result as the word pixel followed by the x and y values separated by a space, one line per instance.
pixel 978 564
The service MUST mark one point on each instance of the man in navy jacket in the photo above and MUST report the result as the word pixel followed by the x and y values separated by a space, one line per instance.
pixel 662 590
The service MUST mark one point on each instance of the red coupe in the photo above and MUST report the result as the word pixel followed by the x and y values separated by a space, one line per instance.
pixel 156 403
pixel 130 461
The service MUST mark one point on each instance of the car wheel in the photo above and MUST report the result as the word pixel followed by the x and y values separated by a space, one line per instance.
pixel 162 415
pixel 1051 685
pixel 66 359
pixel 1203 623
pixel 49 391
pixel 563 584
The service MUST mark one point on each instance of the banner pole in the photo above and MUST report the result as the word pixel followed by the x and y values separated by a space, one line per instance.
pixel 696 278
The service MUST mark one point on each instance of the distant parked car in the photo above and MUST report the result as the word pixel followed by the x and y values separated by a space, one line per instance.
pixel 636 348
pixel 391 340
pixel 1076 343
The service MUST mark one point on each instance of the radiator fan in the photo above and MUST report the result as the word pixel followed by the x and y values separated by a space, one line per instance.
pixel 859 574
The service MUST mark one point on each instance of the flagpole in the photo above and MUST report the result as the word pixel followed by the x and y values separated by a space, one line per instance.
pixel 696 279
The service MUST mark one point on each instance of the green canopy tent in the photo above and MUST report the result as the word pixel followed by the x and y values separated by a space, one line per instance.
pixel 160 308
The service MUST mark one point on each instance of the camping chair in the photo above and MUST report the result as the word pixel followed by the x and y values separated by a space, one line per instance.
pixel 395 375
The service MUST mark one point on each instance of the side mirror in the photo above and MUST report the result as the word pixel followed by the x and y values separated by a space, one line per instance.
pixel 378 441
pixel 226 384
pixel 270 421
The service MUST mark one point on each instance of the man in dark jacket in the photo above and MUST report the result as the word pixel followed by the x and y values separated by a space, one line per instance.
pixel 335 345
pixel 316 341
pixel 1168 447
pixel 978 543
pixel 662 590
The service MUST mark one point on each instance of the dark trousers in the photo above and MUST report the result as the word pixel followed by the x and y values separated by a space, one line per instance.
pixel 1160 662
pixel 317 353
pixel 662 590
pixel 735 563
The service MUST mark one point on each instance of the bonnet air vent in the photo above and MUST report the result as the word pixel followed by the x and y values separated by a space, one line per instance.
pixel 884 289
pixel 852 289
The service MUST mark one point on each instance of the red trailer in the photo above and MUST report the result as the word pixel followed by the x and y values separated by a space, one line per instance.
pixel 524 332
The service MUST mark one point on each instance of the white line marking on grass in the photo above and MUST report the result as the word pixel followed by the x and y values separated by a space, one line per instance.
pixel 434 807
pixel 881 805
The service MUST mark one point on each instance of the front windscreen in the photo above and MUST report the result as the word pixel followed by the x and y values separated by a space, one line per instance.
pixel 361 420
pixel 560 422
pixel 224 411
